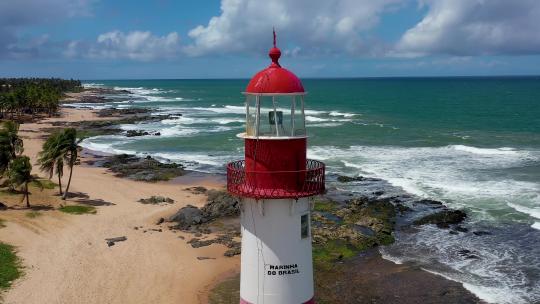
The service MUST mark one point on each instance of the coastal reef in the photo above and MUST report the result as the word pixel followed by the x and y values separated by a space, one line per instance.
pixel 145 169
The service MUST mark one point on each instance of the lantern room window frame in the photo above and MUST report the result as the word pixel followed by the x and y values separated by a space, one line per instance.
pixel 253 124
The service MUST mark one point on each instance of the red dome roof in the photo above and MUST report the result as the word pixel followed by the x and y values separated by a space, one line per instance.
pixel 275 79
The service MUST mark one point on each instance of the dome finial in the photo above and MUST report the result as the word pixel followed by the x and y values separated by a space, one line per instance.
pixel 275 53
pixel 274 31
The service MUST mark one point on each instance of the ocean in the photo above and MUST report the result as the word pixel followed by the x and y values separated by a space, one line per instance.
pixel 471 142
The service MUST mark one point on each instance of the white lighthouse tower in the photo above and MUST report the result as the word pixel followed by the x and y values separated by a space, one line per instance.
pixel 275 182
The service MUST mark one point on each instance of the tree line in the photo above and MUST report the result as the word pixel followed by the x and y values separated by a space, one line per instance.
pixel 61 148
pixel 19 96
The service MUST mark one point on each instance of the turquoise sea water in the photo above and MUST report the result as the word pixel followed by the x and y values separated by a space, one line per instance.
pixel 472 142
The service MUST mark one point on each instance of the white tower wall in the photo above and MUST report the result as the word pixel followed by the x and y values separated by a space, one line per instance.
pixel 276 266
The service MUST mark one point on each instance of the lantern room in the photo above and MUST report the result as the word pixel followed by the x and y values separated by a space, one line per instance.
pixel 275 164
pixel 275 102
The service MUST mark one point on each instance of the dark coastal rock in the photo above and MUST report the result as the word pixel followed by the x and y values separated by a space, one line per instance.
pixel 443 219
pixel 429 202
pixel 220 204
pixel 3 206
pixel 340 231
pixel 467 254
pixel 112 241
pixel 197 243
pixel 110 127
pixel 197 190
pixel 134 133
pixel 93 99
pixel 114 112
pixel 155 200
pixel 232 252
pixel 201 258
pixel 480 233
pixel 348 179
pixel 402 208
pixel 461 229
pixel 160 221
pixel 187 216
pixel 143 169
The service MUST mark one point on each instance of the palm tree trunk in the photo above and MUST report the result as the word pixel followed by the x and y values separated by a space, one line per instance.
pixel 69 181
pixel 27 196
pixel 60 184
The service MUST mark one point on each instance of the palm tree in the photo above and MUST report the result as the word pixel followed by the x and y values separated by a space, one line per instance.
pixel 20 175
pixel 70 150
pixel 11 144
pixel 51 157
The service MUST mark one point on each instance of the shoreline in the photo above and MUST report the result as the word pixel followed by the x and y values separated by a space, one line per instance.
pixel 210 281
pixel 67 259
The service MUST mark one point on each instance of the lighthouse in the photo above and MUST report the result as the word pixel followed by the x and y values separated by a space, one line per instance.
pixel 276 183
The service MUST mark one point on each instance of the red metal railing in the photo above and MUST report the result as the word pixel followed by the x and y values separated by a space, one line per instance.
pixel 276 184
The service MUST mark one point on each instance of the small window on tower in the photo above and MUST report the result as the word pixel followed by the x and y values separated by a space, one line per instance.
pixel 304 226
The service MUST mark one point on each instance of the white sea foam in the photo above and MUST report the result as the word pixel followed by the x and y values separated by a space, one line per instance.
pixel 499 275
pixel 92 85
pixel 325 124
pixel 456 175
pixel 488 294
pixel 536 225
pixel 534 212
pixel 485 151
pixel 180 120
pixel 336 113
pixel 106 144
pixel 226 121
pixel 178 131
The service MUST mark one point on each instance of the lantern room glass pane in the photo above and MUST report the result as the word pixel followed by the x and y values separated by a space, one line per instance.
pixel 251 115
pixel 277 116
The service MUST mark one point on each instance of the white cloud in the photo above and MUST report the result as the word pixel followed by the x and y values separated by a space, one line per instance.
pixel 135 45
pixel 474 27
pixel 316 25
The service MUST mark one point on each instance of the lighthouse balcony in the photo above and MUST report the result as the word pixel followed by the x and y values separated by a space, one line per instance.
pixel 275 184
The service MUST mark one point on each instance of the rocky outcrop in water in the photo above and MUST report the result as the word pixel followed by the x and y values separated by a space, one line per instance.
pixel 443 219
pixel 348 179
pixel 114 112
pixel 340 230
pixel 143 169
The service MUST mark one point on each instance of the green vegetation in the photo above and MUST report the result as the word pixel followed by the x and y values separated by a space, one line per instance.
pixel 11 145
pixel 78 209
pixel 61 147
pixel 46 184
pixel 20 175
pixel 226 292
pixel 2 223
pixel 13 166
pixel 33 214
pixel 324 206
pixel 19 96
pixel 334 250
pixel 10 266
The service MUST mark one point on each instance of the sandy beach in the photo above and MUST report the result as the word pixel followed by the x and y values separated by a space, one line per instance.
pixel 67 260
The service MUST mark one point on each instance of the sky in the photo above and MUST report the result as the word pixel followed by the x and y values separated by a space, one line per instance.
pixel 118 39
